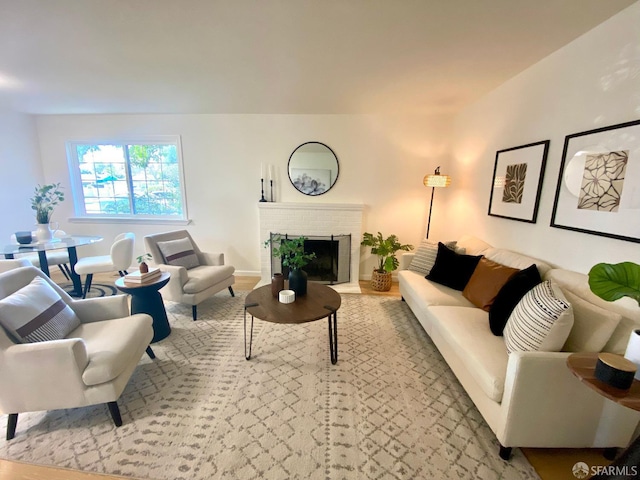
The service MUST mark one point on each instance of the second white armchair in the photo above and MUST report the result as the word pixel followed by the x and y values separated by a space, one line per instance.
pixel 195 275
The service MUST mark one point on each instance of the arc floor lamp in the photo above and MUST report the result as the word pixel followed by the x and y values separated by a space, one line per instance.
pixel 435 180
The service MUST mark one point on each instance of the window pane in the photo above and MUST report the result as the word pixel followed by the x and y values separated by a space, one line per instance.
pixel 130 179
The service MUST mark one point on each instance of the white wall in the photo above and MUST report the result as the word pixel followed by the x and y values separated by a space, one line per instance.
pixel 592 82
pixel 21 172
pixel 382 162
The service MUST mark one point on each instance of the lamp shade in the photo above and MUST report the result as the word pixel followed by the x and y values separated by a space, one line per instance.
pixel 436 180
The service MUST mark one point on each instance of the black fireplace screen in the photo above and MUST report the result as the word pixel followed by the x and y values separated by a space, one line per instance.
pixel 332 264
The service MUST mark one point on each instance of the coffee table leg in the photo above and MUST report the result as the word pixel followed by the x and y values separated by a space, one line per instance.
pixel 245 335
pixel 333 337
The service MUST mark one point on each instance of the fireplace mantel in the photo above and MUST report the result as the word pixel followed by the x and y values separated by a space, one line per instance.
pixel 312 219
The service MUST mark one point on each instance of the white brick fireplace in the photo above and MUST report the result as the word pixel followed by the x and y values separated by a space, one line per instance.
pixel 312 219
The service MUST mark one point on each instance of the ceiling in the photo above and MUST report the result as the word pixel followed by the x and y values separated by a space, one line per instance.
pixel 275 56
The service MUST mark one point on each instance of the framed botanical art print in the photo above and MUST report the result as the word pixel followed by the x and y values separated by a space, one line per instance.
pixel 517 182
pixel 598 190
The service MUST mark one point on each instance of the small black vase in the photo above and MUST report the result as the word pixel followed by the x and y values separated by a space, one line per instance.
pixel 298 281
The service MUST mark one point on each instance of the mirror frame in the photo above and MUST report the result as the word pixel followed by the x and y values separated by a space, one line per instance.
pixel 337 168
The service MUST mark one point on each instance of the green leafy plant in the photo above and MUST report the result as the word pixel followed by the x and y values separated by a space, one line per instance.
pixel 385 249
pixel 144 257
pixel 44 199
pixel 613 281
pixel 291 251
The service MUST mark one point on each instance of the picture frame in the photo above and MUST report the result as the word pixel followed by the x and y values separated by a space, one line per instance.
pixel 598 189
pixel 517 179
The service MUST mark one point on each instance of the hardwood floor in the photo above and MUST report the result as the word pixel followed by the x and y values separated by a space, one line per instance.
pixel 551 464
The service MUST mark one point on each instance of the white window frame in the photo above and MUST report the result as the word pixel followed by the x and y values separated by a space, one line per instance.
pixel 76 181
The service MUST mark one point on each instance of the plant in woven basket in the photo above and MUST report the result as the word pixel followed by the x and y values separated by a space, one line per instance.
pixel 385 249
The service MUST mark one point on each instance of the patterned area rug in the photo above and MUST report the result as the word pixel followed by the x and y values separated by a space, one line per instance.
pixel 96 290
pixel 389 409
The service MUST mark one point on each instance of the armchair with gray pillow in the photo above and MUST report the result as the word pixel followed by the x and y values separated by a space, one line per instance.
pixel 57 352
pixel 195 275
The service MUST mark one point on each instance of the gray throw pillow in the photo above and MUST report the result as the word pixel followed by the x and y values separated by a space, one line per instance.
pixel 36 313
pixel 179 253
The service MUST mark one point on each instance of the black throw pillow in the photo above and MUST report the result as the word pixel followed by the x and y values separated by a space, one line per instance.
pixel 509 295
pixel 452 269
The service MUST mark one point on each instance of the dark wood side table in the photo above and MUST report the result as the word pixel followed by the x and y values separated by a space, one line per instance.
pixel 145 298
pixel 583 366
pixel 319 302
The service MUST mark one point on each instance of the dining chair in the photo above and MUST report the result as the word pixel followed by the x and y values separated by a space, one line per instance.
pixel 118 260
pixel 54 257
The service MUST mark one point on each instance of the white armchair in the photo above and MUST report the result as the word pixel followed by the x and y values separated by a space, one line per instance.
pixel 191 281
pixel 90 365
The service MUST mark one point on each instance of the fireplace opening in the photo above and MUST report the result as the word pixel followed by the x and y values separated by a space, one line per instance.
pixel 332 264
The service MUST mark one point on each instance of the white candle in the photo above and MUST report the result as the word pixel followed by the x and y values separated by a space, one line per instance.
pixel 271 172
pixel 262 170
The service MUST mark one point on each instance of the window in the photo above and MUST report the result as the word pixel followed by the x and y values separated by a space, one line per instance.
pixel 139 179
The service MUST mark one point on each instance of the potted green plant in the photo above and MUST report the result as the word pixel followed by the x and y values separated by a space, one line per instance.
pixel 44 199
pixel 291 251
pixel 385 249
pixel 142 262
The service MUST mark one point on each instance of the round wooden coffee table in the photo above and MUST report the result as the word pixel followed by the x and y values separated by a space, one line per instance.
pixel 145 298
pixel 319 302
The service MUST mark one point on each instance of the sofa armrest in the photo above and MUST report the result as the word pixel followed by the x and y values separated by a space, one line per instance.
pixel 102 308
pixel 405 260
pixel 212 258
pixel 546 405
pixel 35 374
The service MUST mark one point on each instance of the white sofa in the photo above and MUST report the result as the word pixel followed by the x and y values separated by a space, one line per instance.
pixel 528 399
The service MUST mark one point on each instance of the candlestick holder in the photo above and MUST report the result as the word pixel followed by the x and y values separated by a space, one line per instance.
pixel 262 199
pixel 271 188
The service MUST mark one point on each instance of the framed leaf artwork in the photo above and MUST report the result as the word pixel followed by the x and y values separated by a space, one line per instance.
pixel 517 182
pixel 598 190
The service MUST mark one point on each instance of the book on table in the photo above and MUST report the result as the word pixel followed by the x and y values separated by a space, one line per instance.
pixel 139 277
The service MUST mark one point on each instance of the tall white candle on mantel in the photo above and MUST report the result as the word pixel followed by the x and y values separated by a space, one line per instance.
pixel 271 173
pixel 262 170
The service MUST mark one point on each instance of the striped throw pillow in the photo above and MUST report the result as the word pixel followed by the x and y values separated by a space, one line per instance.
pixel 36 313
pixel 179 253
pixel 541 321
pixel 425 256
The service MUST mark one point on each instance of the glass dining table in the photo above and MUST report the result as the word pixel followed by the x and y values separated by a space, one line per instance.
pixel 70 242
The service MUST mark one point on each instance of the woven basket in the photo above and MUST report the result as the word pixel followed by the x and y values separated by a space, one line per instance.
pixel 381 282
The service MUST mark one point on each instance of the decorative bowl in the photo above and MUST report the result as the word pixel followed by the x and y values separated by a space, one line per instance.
pixel 287 296
pixel 23 237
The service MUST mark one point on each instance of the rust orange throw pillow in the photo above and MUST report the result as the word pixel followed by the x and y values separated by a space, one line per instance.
pixel 485 283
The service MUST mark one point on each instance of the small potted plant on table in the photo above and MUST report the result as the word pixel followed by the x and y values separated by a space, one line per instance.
pixel 45 198
pixel 385 249
pixel 142 262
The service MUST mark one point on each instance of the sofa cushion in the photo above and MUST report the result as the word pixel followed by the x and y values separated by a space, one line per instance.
pixel 578 283
pixel 452 269
pixel 540 322
pixel 110 345
pixel 472 245
pixel 425 256
pixel 592 325
pixel 509 296
pixel 431 293
pixel 36 313
pixel 516 260
pixel 485 283
pixel 466 330
pixel 179 253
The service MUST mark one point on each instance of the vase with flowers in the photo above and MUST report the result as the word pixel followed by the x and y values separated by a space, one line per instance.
pixel 44 200
pixel 291 252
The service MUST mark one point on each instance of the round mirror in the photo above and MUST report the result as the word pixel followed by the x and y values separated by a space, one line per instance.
pixel 313 168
